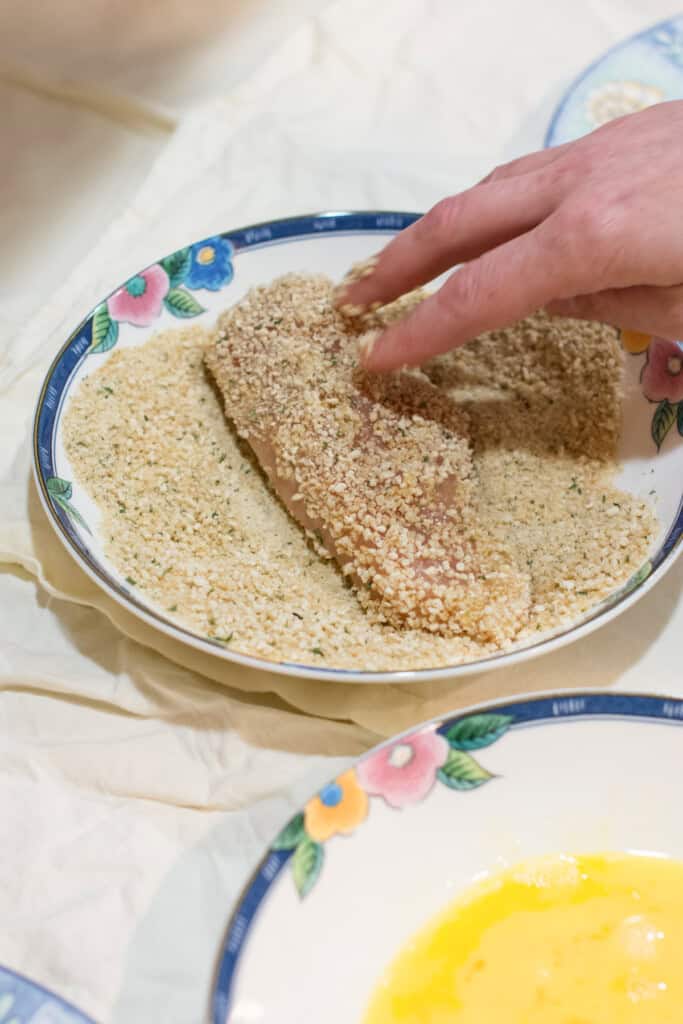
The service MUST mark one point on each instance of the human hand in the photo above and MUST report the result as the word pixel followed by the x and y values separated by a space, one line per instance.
pixel 592 229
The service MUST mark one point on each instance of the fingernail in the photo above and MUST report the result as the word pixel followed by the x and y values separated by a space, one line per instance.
pixel 366 344
pixel 352 310
pixel 361 270
pixel 357 272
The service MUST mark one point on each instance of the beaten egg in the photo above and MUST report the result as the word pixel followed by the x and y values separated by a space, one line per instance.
pixel 558 940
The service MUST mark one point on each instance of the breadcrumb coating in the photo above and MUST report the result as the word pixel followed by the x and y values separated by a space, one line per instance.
pixel 377 467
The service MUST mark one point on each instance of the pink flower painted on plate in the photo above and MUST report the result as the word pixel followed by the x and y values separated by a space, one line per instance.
pixel 139 301
pixel 662 375
pixel 404 772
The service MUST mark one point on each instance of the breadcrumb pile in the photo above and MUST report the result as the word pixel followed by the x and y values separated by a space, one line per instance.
pixel 517 437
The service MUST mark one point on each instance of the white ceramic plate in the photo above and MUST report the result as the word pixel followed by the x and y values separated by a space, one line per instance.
pixel 378 852
pixel 201 280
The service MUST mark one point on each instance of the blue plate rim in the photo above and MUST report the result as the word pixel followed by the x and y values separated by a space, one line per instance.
pixel 527 709
pixel 245 239
pixel 48 993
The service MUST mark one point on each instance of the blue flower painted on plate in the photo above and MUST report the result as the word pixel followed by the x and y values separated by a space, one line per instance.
pixel 669 41
pixel 210 264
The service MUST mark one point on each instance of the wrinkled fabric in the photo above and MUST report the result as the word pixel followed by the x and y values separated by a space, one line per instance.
pixel 139 778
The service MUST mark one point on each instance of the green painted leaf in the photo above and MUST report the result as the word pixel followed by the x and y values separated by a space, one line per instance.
pixel 177 265
pixel 182 304
pixel 662 422
pixel 461 771
pixel 643 572
pixel 637 578
pixel 105 331
pixel 291 835
pixel 71 511
pixel 477 731
pixel 680 418
pixel 58 488
pixel 306 865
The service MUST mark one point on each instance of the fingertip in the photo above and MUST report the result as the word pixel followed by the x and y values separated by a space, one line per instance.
pixel 347 296
pixel 377 352
pixel 351 300
pixel 351 310
pixel 386 351
pixel 366 345
pixel 410 341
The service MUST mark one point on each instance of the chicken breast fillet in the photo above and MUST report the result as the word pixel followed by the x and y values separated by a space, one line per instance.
pixel 377 469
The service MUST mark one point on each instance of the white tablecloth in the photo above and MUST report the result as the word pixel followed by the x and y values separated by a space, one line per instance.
pixel 136 791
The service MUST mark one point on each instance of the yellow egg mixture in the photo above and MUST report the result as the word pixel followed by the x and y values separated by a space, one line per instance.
pixel 561 940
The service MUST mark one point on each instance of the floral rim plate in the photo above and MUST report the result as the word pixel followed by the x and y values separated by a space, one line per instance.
pixel 646 68
pixel 390 842
pixel 22 1001
pixel 200 280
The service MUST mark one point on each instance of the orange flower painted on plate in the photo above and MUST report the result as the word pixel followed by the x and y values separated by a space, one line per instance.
pixel 635 341
pixel 337 809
